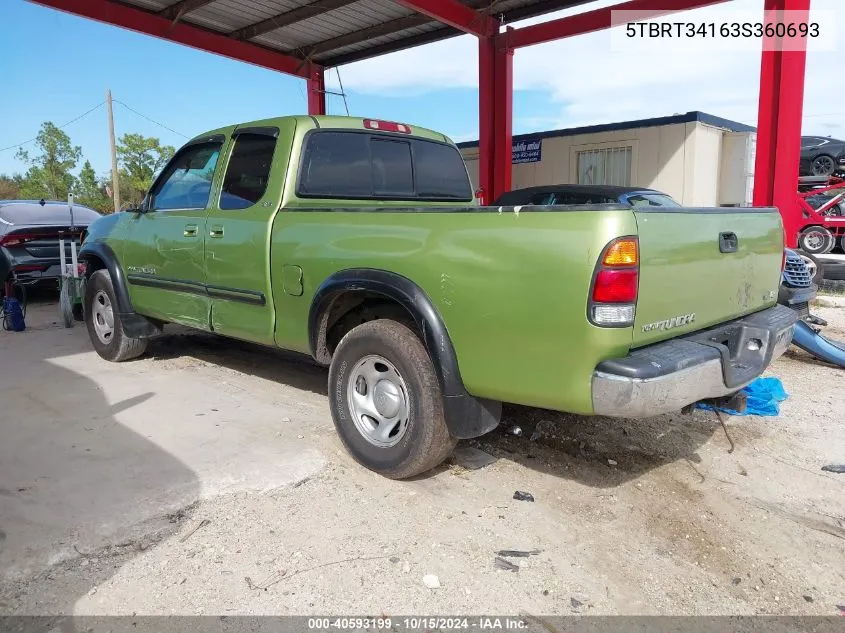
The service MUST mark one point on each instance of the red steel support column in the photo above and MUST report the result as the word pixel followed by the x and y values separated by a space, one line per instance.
pixel 502 117
pixel 486 116
pixel 316 88
pixel 779 122
pixel 495 100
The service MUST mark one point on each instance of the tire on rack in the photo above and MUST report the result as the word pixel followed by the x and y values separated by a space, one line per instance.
pixel 816 240
pixel 815 265
pixel 66 303
pixel 823 165
pixel 103 321
pixel 386 401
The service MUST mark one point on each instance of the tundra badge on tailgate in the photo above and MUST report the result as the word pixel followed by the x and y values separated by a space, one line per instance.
pixel 668 324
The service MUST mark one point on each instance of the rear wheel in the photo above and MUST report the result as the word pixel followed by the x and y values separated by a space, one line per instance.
pixel 386 400
pixel 816 240
pixel 103 321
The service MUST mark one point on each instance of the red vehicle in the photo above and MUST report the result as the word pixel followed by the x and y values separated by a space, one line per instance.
pixel 822 202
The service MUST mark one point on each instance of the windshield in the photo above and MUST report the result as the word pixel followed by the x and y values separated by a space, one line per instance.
pixel 651 200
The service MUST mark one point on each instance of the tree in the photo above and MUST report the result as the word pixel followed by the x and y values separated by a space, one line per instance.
pixel 90 191
pixel 140 159
pixel 10 187
pixel 49 175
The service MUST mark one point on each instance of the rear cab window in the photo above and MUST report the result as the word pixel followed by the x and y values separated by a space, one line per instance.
pixel 361 165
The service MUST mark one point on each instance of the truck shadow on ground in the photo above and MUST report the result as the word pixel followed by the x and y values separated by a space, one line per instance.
pixel 295 370
pixel 597 451
pixel 81 494
pixel 564 445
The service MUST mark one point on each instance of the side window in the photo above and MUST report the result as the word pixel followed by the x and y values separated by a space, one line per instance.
pixel 566 197
pixel 336 164
pixel 186 181
pixel 248 171
pixel 392 172
pixel 543 199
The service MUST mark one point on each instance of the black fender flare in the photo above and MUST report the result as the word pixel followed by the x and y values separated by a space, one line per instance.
pixel 134 325
pixel 466 416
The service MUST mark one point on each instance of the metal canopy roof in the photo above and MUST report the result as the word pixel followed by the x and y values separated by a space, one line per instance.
pixel 332 32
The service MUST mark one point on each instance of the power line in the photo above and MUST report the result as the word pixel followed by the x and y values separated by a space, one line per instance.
pixel 60 127
pixel 143 116
pixel 812 116
pixel 342 92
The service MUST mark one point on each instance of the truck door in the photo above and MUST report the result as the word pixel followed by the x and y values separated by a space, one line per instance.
pixel 163 254
pixel 237 252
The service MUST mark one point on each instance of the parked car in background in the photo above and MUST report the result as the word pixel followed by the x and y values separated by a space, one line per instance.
pixel 586 194
pixel 29 238
pixel 822 156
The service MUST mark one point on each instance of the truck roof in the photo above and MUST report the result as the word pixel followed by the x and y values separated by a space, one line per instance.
pixel 332 122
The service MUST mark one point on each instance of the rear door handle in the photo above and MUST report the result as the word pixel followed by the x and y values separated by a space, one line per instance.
pixel 728 242
pixel 190 230
pixel 216 231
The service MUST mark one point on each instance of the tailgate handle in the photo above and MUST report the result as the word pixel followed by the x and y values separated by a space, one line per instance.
pixel 728 242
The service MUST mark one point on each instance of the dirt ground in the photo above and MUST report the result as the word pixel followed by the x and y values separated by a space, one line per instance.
pixel 206 478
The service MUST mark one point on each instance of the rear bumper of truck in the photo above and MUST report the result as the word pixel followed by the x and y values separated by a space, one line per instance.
pixel 712 363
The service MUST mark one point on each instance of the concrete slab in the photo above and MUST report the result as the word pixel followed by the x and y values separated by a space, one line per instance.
pixel 92 452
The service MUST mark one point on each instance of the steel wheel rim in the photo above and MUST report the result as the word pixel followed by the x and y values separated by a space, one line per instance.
pixel 815 240
pixel 823 166
pixel 102 316
pixel 378 400
pixel 811 265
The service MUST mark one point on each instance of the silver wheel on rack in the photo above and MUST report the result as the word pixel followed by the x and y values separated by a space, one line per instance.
pixel 66 302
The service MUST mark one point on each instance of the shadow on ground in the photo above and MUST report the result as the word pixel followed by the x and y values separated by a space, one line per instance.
pixel 289 368
pixel 566 445
pixel 80 493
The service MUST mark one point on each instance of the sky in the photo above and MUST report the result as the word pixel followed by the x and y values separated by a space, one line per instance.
pixel 57 67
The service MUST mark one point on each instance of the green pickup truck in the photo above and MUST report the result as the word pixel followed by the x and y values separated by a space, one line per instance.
pixel 359 242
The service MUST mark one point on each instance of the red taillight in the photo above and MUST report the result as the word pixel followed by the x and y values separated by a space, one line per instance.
pixel 613 296
pixel 616 286
pixel 387 126
pixel 22 268
pixel 14 239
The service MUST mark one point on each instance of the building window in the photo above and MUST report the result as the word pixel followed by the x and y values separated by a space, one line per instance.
pixel 610 166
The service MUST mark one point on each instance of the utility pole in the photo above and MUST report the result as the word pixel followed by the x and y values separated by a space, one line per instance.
pixel 115 186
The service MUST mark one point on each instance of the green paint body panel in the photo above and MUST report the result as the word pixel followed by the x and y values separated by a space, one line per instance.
pixel 682 270
pixel 511 287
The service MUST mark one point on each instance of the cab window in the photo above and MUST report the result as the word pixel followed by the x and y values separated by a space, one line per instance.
pixel 248 171
pixel 186 181
pixel 358 165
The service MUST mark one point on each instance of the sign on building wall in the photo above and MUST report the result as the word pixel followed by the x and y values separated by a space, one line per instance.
pixel 527 151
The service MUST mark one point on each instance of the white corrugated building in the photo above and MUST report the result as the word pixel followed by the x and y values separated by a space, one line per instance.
pixel 697 158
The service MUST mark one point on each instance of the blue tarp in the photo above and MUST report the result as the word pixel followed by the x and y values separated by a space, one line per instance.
pixel 763 394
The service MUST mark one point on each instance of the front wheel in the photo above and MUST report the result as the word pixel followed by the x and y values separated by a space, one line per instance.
pixel 386 401
pixel 103 321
